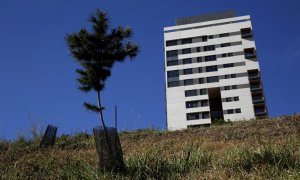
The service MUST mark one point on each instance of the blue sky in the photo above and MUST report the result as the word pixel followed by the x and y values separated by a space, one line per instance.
pixel 37 73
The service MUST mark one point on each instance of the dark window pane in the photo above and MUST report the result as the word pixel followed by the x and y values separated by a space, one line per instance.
pixel 199 59
pixel 204 38
pixel 189 93
pixel 230 54
pixel 172 63
pixel 186 41
pixel 227 87
pixel 191 104
pixel 192 116
pixel 203 91
pixel 228 99
pixel 209 48
pixel 186 51
pixel 198 49
pixel 211 68
pixel 210 37
pixel 236 98
pixel 188 71
pixel 172 74
pixel 224 55
pixel 187 61
pixel 233 75
pixel 205 115
pixel 210 58
pixel 238 111
pixel 227 76
pixel 188 82
pixel 173 84
pixel 228 65
pixel 225 44
pixel 230 111
pixel 234 87
pixel 171 43
pixel 172 53
pixel 224 35
pixel 213 79
pixel 201 80
pixel 204 103
pixel 200 70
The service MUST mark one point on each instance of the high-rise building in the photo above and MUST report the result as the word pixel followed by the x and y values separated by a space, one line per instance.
pixel 212 71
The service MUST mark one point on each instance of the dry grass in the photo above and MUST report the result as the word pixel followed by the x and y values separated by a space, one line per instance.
pixel 256 149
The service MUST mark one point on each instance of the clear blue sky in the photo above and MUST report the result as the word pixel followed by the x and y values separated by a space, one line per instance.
pixel 37 73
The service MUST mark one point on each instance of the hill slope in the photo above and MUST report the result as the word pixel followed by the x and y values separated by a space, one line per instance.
pixel 257 149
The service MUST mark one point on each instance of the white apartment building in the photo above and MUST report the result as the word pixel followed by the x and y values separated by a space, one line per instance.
pixel 211 71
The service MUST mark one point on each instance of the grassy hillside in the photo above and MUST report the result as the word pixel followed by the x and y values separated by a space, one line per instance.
pixel 256 149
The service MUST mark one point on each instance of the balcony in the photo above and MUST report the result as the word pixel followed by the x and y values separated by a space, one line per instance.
pixel 255 87
pixel 260 112
pixel 246 33
pixel 257 99
pixel 250 53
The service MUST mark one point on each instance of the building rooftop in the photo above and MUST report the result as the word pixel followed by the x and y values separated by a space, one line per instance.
pixel 205 17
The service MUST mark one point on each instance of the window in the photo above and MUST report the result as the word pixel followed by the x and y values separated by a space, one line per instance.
pixel 189 93
pixel 210 58
pixel 228 65
pixel 191 104
pixel 204 103
pixel 187 61
pixel 209 48
pixel 186 51
pixel 186 41
pixel 172 63
pixel 172 53
pixel 203 91
pixel 210 36
pixel 205 115
pixel 225 44
pixel 211 68
pixel 188 82
pixel 201 80
pixel 173 84
pixel 172 74
pixel 188 71
pixel 236 98
pixel 234 87
pixel 227 88
pixel 192 116
pixel 224 55
pixel 238 111
pixel 233 75
pixel 200 69
pixel 230 54
pixel 227 76
pixel 171 43
pixel 224 35
pixel 199 59
pixel 213 79
pixel 204 38
pixel 230 111
pixel 228 99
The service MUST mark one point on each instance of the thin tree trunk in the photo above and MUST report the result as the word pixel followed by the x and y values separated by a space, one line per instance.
pixel 103 124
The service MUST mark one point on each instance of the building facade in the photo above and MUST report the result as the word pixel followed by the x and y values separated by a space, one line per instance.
pixel 211 71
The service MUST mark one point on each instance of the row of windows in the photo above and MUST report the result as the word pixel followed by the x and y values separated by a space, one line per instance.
pixel 194 92
pixel 190 40
pixel 230 99
pixel 195 116
pixel 174 53
pixel 194 104
pixel 199 59
pixel 175 73
pixel 226 88
pixel 234 111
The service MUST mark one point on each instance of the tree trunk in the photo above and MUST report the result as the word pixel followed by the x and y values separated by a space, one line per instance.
pixel 102 122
